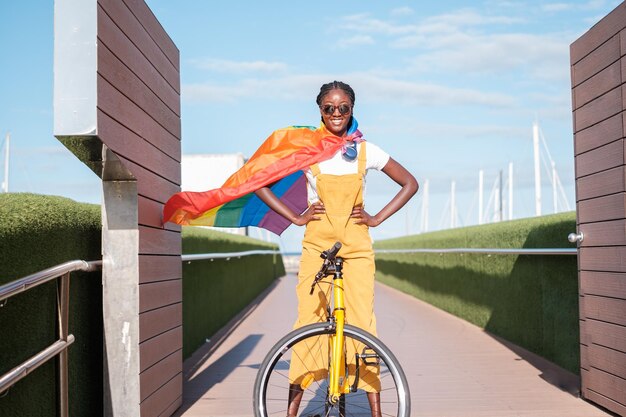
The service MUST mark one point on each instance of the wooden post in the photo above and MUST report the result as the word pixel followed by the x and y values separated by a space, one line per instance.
pixel 117 107
pixel 598 68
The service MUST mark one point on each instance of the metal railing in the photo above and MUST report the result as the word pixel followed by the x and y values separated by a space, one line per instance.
pixel 58 348
pixel 226 255
pixel 490 251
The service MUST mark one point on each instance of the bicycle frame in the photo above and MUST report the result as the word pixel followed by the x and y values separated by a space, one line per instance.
pixel 338 381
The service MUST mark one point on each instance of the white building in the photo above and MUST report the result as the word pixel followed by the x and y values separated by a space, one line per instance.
pixel 203 172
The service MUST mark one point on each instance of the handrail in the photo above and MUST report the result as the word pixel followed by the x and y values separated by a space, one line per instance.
pixel 59 347
pixel 226 255
pixel 41 277
pixel 496 251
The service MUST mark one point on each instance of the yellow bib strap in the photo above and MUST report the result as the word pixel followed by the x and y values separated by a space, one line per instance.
pixel 315 170
pixel 362 159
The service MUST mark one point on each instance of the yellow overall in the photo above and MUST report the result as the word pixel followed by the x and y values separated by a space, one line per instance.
pixel 339 194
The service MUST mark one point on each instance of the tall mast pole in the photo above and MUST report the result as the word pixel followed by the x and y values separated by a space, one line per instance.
pixel 554 179
pixel 5 183
pixel 425 208
pixel 537 169
pixel 498 198
pixel 481 186
pixel 510 190
pixel 453 205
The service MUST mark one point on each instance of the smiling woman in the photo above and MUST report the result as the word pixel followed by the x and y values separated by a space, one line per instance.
pixel 336 214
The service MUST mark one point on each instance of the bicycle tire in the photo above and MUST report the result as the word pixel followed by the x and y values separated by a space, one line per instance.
pixel 272 382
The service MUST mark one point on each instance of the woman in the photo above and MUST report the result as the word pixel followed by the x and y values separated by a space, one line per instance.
pixel 336 212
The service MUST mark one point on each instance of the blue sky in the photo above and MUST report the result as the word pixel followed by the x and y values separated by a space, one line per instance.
pixel 447 88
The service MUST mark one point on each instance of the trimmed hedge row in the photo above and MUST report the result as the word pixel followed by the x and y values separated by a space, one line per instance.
pixel 216 291
pixel 530 300
pixel 37 232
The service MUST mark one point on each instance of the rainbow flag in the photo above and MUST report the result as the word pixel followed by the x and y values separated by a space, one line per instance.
pixel 278 163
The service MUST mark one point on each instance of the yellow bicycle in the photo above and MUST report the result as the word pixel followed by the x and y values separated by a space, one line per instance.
pixel 331 386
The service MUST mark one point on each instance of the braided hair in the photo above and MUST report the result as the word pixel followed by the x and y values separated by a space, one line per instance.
pixel 332 86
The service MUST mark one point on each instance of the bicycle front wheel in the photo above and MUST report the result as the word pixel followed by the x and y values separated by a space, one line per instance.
pixel 271 388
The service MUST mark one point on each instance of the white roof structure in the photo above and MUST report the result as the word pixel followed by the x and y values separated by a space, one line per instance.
pixel 203 172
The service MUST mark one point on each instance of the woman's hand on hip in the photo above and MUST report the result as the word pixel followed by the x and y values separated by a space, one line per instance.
pixel 363 217
pixel 310 214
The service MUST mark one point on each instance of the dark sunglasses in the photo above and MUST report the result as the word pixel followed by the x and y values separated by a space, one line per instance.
pixel 329 109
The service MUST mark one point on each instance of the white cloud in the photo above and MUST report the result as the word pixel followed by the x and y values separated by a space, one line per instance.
pixel 469 17
pixel 355 41
pixel 401 11
pixel 363 23
pixel 370 87
pixel 223 65
pixel 556 7
pixel 562 7
pixel 542 56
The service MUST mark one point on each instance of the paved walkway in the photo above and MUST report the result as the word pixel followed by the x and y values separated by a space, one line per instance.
pixel 454 368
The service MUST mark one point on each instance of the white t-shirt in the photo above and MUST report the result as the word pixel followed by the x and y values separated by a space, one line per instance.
pixel 375 158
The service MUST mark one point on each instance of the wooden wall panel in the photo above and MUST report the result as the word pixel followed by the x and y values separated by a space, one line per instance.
pixel 599 109
pixel 600 159
pixel 610 310
pixel 138 150
pixel 114 103
pixel 594 384
pixel 606 334
pixel 154 350
pixel 613 361
pixel 152 214
pixel 161 293
pixel 150 184
pixel 610 207
pixel 155 30
pixel 135 31
pixel 604 30
pixel 608 259
pixel 607 131
pixel 608 284
pixel 158 321
pixel 138 87
pixel 111 36
pixel 601 184
pixel 599 103
pixel 154 268
pixel 158 241
pixel 600 58
pixel 151 379
pixel 601 83
pixel 608 233
pixel 120 77
pixel 163 399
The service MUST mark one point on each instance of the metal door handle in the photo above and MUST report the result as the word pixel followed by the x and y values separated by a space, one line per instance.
pixel 576 237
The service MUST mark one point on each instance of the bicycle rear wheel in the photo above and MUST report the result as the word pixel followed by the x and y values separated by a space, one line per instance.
pixel 271 388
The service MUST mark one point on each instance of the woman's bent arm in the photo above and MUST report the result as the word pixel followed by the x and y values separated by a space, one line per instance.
pixel 409 185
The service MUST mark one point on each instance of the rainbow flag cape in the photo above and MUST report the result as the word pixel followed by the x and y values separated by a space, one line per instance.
pixel 278 163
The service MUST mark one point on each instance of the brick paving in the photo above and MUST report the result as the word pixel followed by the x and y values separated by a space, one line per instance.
pixel 454 368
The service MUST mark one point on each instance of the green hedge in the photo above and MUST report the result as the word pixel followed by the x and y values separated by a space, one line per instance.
pixel 530 300
pixel 37 232
pixel 216 291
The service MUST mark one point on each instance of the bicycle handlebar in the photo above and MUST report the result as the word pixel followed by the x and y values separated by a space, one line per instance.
pixel 330 254
pixel 329 257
